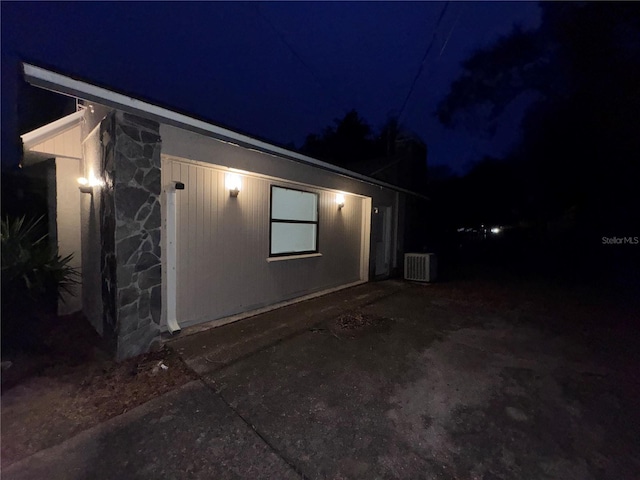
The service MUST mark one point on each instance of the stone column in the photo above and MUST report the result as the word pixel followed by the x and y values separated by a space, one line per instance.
pixel 130 231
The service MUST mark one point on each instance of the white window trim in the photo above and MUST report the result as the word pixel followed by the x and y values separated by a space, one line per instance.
pixel 293 257
pixel 316 223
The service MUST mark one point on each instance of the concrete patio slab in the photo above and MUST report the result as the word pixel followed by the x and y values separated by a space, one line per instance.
pixel 442 386
pixel 387 380
pixel 215 348
pixel 187 433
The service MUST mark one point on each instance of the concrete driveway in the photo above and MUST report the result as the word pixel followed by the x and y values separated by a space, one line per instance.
pixel 388 380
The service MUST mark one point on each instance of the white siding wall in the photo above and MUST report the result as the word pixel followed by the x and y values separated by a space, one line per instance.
pixel 90 228
pixel 184 144
pixel 65 144
pixel 68 225
pixel 223 245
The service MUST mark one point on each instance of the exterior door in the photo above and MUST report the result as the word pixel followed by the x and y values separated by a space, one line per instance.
pixel 381 226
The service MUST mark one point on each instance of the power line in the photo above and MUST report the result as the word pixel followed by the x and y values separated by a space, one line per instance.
pixel 449 35
pixel 424 58
pixel 296 55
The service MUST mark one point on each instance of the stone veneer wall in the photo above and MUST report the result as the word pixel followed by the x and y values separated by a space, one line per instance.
pixel 130 232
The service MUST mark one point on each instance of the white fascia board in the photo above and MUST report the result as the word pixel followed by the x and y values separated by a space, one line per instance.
pixel 50 130
pixel 40 77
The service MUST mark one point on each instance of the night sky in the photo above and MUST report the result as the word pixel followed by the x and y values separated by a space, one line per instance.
pixel 276 71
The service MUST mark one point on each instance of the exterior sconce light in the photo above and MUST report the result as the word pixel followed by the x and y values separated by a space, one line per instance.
pixel 84 186
pixel 87 185
pixel 233 183
pixel 340 200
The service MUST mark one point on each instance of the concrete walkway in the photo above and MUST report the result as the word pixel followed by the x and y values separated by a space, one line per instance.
pixel 384 380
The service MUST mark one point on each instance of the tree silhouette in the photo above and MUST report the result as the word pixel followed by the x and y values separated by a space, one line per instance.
pixel 392 155
pixel 349 141
pixel 581 137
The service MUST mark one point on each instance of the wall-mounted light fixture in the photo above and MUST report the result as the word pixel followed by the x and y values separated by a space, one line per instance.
pixel 87 185
pixel 83 185
pixel 340 200
pixel 233 183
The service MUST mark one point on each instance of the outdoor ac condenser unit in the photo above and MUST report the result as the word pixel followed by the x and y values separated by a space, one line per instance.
pixel 420 267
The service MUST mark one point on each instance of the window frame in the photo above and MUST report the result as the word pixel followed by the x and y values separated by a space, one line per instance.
pixel 273 220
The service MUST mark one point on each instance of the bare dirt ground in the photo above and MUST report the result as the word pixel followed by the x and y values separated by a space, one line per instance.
pixel 71 385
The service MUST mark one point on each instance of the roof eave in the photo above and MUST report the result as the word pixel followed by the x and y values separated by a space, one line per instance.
pixel 50 130
pixel 56 82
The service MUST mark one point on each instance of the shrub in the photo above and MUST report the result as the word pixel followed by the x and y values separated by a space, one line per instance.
pixel 34 275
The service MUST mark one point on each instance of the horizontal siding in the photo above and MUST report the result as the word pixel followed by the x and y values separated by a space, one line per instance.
pixel 223 245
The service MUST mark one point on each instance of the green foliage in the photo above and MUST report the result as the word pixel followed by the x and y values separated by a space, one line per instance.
pixel 32 271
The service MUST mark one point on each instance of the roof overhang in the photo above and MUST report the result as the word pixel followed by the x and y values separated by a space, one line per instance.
pixel 56 82
pixel 61 138
pixel 51 130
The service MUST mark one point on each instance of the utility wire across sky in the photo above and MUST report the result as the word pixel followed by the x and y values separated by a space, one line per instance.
pixel 225 62
pixel 424 58
pixel 293 51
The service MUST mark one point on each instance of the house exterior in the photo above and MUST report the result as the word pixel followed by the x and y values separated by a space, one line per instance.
pixel 179 222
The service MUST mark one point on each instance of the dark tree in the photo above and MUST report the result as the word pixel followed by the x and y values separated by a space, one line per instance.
pixel 392 155
pixel 579 155
pixel 349 141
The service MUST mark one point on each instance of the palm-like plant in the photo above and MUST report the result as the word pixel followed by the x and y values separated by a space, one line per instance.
pixel 32 271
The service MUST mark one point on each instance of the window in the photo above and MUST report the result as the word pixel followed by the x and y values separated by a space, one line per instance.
pixel 294 222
